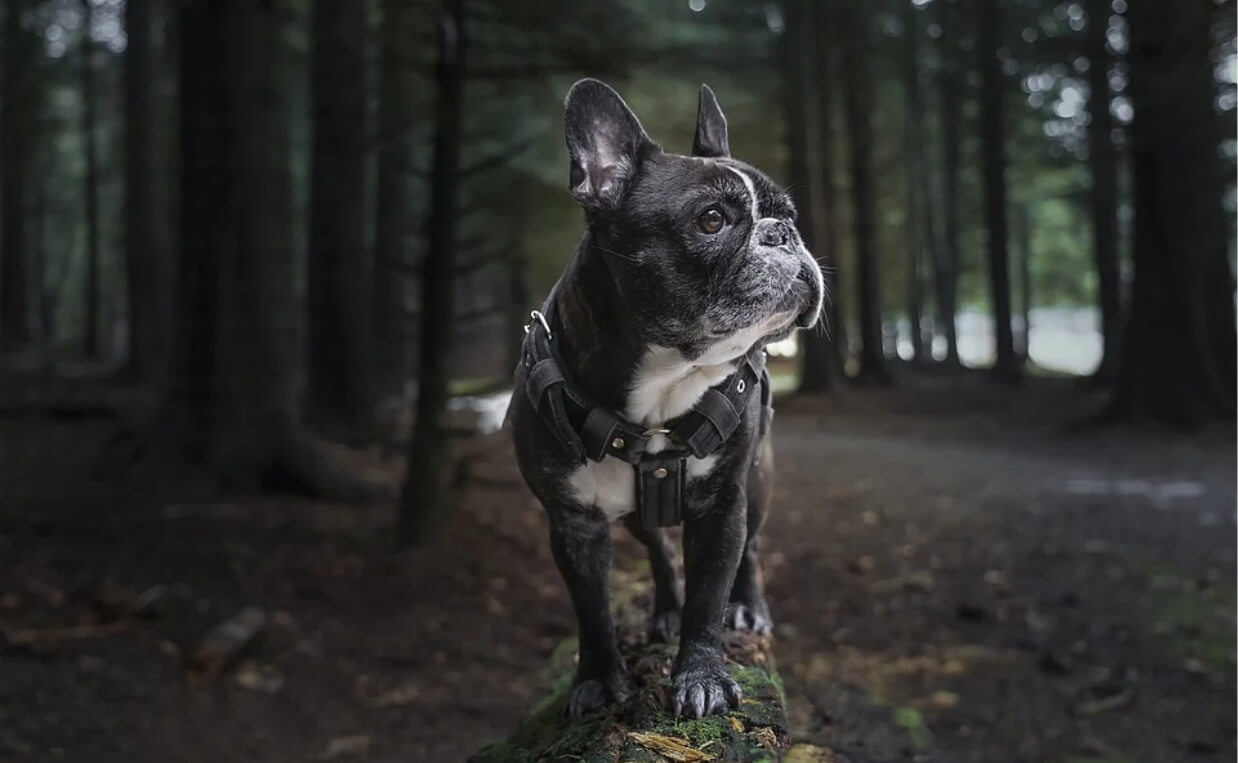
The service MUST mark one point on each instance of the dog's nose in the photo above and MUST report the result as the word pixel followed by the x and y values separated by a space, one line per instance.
pixel 771 232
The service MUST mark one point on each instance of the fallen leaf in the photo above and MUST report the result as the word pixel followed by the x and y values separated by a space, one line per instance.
pixel 147 602
pixel 226 640
pixel 807 753
pixel 341 747
pixel 671 748
pixel 1105 704
pixel 736 723
pixel 260 678
pixel 914 581
pixel 400 695
pixel 943 700
pixel 765 735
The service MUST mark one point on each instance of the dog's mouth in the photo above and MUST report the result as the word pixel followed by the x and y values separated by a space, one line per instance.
pixel 808 318
pixel 811 278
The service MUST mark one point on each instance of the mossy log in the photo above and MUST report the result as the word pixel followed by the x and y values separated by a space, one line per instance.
pixel 642 729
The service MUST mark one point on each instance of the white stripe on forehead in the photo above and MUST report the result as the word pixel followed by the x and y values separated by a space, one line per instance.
pixel 752 191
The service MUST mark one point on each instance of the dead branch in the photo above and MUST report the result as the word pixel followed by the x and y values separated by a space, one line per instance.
pixel 30 636
pixel 225 641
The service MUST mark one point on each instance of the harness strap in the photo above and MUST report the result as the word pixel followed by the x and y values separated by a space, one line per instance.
pixel 660 477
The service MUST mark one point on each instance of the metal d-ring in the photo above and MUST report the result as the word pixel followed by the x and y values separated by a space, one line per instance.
pixel 536 315
pixel 652 432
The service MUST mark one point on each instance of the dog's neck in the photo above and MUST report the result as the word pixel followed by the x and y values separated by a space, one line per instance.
pixel 605 354
pixel 597 341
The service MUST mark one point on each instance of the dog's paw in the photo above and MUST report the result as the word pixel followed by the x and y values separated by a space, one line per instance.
pixel 592 694
pixel 664 626
pixel 743 617
pixel 703 690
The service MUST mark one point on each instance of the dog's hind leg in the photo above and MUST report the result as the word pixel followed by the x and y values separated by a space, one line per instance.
pixel 667 599
pixel 747 609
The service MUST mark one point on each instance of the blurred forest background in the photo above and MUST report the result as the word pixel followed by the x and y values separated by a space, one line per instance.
pixel 281 241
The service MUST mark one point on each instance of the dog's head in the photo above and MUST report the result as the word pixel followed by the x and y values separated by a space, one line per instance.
pixel 703 249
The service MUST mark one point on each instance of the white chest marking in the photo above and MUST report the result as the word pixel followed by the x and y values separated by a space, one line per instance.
pixel 666 385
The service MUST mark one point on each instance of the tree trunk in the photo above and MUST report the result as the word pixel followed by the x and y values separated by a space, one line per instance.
pixel 233 388
pixel 1103 164
pixel 90 94
pixel 1025 279
pixel 143 267
pixel 857 97
pixel 829 254
pixel 17 136
pixel 915 226
pixel 993 150
pixel 38 261
pixel 205 106
pixel 422 503
pixel 803 115
pixel 339 279
pixel 1177 362
pixel 394 197
pixel 946 264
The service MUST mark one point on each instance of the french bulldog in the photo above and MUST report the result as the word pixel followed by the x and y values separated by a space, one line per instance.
pixel 688 264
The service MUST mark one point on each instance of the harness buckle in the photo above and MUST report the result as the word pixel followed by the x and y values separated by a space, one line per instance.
pixel 536 315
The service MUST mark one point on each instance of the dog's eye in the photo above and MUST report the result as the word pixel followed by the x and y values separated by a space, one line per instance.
pixel 710 221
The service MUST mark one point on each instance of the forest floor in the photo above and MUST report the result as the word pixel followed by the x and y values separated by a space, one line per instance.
pixel 955 577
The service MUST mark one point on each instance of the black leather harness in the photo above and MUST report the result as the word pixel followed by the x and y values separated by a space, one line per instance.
pixel 590 431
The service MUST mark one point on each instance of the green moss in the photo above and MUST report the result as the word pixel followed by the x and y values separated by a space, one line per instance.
pixel 1195 621
pixel 747 734
pixel 558 670
pixel 750 679
pixel 698 732
pixel 910 719
pixel 776 678
pixel 544 734
pixel 498 753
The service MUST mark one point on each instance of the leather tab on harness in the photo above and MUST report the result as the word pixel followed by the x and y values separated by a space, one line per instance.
pixel 721 419
pixel 660 481
pixel 541 377
pixel 598 432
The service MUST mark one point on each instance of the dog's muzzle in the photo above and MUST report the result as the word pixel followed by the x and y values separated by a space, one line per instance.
pixel 810 275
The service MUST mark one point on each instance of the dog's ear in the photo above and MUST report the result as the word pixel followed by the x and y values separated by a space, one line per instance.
pixel 711 134
pixel 605 142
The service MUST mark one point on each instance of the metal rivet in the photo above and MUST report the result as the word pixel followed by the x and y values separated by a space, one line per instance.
pixel 659 473
pixel 740 387
pixel 617 443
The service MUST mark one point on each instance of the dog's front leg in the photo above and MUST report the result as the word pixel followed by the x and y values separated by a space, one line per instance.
pixel 581 547
pixel 700 684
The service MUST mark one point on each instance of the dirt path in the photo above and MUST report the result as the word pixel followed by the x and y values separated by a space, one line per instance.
pixel 1024 595
pixel 946 567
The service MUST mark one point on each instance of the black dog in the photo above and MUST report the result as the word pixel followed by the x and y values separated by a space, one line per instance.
pixel 642 393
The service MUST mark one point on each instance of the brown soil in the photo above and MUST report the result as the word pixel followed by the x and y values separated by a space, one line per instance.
pixel 955 578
